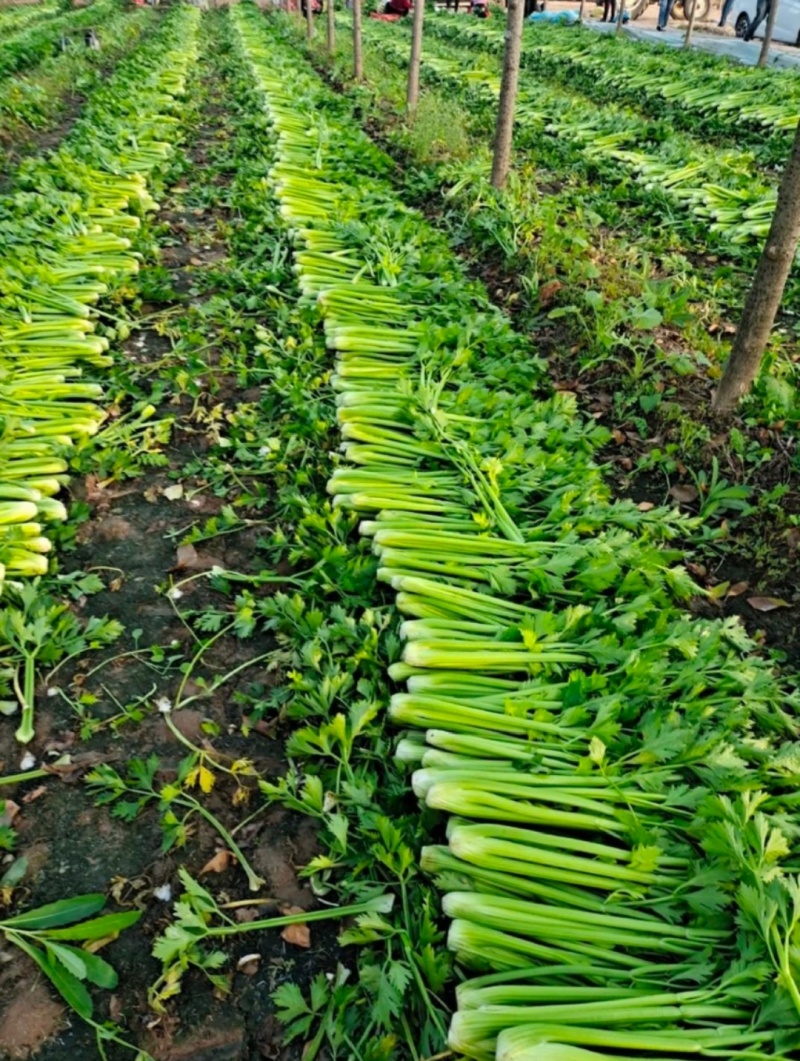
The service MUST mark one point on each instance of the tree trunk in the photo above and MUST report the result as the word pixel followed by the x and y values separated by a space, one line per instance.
pixel 766 291
pixel 358 62
pixel 501 161
pixel 687 40
pixel 580 13
pixel 620 15
pixel 763 55
pixel 412 96
pixel 331 28
pixel 309 20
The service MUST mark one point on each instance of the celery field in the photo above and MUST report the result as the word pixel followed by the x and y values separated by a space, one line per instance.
pixel 397 661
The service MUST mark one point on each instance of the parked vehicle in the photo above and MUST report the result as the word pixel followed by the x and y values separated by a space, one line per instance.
pixel 787 20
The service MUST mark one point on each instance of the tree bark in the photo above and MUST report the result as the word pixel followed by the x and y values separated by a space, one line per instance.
pixel 580 13
pixel 309 20
pixel 763 55
pixel 412 95
pixel 501 162
pixel 358 62
pixel 620 15
pixel 766 291
pixel 331 28
pixel 687 40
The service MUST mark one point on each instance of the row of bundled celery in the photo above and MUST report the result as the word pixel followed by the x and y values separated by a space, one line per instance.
pixel 617 780
pixel 67 230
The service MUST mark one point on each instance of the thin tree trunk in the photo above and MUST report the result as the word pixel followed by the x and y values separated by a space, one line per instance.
pixel 298 13
pixel 309 20
pixel 331 28
pixel 412 95
pixel 501 162
pixel 687 40
pixel 766 291
pixel 580 13
pixel 620 15
pixel 358 62
pixel 763 55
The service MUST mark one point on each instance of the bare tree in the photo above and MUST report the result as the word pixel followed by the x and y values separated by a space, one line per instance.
pixel 763 55
pixel 501 162
pixel 687 40
pixel 331 27
pixel 620 16
pixel 358 61
pixel 412 96
pixel 766 291
pixel 309 19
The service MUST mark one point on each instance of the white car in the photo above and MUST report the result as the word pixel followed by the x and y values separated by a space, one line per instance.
pixel 787 20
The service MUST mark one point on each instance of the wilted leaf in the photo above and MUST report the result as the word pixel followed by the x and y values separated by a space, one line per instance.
pixel 737 589
pixel 645 506
pixel 548 291
pixel 37 792
pixel 767 604
pixel 187 556
pixel 173 493
pixel 248 964
pixel 219 863
pixel 718 591
pixel 8 811
pixel 299 935
pixel 684 494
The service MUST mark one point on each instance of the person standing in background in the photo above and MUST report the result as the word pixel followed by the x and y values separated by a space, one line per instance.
pixel 609 11
pixel 664 9
pixel 726 10
pixel 762 10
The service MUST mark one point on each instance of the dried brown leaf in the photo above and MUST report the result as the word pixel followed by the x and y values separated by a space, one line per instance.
pixel 767 604
pixel 684 493
pixel 219 863
pixel 299 935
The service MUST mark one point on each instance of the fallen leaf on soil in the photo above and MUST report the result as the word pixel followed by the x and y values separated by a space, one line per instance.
pixel 767 604
pixel 10 811
pixel 299 935
pixel 219 863
pixel 29 797
pixel 618 436
pixel 547 292
pixel 793 537
pixel 187 556
pixel 683 494
pixel 72 770
pixel 737 589
pixel 173 493
pixel 196 261
pixel 190 560
pixel 645 506
pixel 248 964
pixel 719 590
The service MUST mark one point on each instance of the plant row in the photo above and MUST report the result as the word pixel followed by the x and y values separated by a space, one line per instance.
pixel 16 18
pixel 35 100
pixel 696 90
pixel 71 220
pixel 720 189
pixel 35 43
pixel 619 778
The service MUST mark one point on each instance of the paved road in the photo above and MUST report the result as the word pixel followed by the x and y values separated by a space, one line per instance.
pixel 742 51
